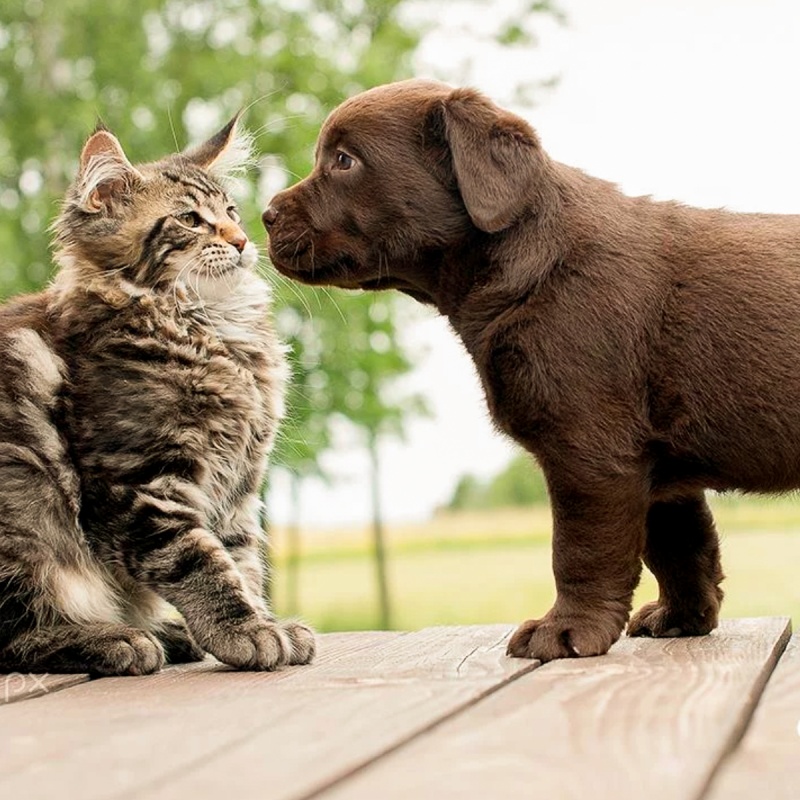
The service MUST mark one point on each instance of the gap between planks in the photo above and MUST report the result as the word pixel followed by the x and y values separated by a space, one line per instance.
pixel 768 755
pixel 201 729
pixel 18 686
pixel 651 719
pixel 199 733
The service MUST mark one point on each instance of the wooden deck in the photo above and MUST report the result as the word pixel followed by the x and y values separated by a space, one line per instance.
pixel 440 713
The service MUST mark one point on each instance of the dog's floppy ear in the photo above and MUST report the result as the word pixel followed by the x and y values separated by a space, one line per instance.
pixel 496 158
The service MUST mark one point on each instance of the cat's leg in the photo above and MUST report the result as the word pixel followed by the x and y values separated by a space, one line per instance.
pixel 682 551
pixel 179 645
pixel 244 538
pixel 100 649
pixel 59 607
pixel 147 610
pixel 167 545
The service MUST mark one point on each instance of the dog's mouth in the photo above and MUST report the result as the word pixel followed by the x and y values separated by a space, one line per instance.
pixel 312 263
pixel 343 272
pixel 291 260
pixel 287 254
pixel 303 266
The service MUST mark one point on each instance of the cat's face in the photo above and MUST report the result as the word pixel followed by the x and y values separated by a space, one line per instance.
pixel 157 224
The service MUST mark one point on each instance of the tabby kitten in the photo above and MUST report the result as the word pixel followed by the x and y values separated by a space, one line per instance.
pixel 139 397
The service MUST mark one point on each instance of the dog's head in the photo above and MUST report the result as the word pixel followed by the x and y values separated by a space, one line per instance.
pixel 403 172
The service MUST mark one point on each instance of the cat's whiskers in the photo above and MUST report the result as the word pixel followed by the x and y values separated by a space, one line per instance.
pixel 283 281
pixel 276 279
pixel 292 444
pixel 187 270
pixel 116 270
pixel 275 123
pixel 334 303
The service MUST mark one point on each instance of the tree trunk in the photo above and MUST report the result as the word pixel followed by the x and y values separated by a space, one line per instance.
pixel 384 606
pixel 266 552
pixel 293 550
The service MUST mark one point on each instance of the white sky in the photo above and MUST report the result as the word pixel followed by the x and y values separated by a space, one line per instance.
pixel 694 100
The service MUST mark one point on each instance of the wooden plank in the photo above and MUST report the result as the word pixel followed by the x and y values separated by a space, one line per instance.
pixel 649 720
pixel 202 731
pixel 332 647
pixel 767 761
pixel 16 686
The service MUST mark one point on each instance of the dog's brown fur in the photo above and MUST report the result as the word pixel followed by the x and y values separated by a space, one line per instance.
pixel 641 351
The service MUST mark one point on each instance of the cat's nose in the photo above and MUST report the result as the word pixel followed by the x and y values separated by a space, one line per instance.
pixel 269 216
pixel 234 235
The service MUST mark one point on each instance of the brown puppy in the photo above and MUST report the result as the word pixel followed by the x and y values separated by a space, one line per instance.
pixel 641 351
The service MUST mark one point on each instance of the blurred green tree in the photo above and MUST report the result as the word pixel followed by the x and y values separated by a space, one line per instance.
pixel 520 483
pixel 367 361
pixel 158 69
pixel 161 71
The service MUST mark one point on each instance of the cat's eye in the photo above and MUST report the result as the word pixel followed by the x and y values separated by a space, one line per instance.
pixel 234 214
pixel 191 219
pixel 344 161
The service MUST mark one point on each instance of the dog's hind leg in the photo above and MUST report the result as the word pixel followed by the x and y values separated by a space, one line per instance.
pixel 682 551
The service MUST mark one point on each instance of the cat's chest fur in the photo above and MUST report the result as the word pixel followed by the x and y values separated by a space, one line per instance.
pixel 167 383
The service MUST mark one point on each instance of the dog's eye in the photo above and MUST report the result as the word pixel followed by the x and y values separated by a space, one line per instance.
pixel 190 219
pixel 344 161
pixel 234 214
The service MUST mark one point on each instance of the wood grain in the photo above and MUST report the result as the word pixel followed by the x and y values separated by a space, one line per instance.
pixel 649 720
pixel 18 686
pixel 205 731
pixel 767 761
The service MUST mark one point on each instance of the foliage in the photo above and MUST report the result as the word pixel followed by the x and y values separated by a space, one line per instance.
pixel 521 483
pixel 160 72
pixel 476 30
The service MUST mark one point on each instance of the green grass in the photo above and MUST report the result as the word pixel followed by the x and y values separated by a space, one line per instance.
pixel 495 567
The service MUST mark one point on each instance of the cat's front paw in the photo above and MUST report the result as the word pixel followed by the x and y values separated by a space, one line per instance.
pixel 120 650
pixel 304 643
pixel 261 644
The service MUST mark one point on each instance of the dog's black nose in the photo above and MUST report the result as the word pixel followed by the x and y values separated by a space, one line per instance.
pixel 269 216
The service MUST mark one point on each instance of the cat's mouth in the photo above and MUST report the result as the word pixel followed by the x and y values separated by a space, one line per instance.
pixel 217 271
pixel 219 268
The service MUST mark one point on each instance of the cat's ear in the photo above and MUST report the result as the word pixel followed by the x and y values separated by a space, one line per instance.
pixel 228 152
pixel 105 174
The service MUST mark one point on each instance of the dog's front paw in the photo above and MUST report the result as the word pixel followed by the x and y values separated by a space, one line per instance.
pixel 261 644
pixel 563 636
pixel 661 620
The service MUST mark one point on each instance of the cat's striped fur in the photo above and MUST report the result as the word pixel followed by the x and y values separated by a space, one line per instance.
pixel 139 397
